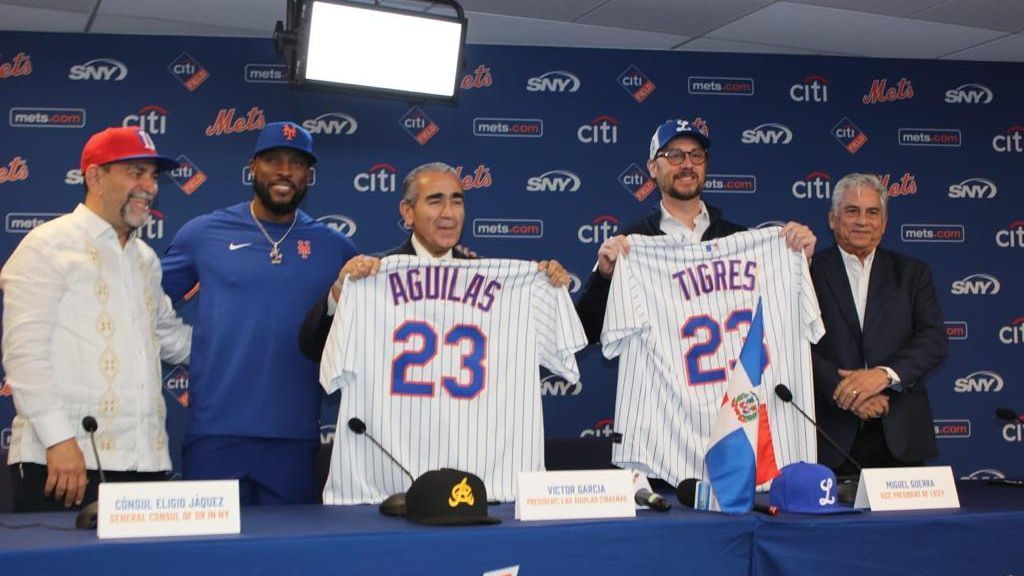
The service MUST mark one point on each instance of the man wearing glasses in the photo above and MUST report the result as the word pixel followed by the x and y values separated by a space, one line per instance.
pixel 678 162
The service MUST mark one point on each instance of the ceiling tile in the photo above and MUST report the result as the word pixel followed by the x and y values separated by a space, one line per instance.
pixel 714 45
pixel 492 29
pixel 886 7
pixel 1006 49
pixel 1006 15
pixel 106 24
pixel 852 33
pixel 564 10
pixel 39 20
pixel 690 18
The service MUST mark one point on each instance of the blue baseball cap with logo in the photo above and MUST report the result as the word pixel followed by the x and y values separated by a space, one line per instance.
pixel 807 488
pixel 696 129
pixel 285 135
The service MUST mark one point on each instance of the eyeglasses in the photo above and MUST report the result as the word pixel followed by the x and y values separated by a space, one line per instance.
pixel 677 157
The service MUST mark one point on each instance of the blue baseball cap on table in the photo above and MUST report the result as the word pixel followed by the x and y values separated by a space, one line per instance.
pixel 285 135
pixel 807 488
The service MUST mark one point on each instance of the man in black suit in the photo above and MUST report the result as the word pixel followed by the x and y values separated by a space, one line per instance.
pixel 883 333
pixel 433 208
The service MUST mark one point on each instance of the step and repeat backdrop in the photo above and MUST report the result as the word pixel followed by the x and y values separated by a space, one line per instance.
pixel 552 145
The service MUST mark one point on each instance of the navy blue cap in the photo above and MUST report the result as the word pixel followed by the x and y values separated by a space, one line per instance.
pixel 696 129
pixel 807 489
pixel 285 135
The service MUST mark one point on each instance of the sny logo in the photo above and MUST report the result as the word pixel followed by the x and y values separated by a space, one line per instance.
pixel 1011 141
pixel 981 381
pixel 418 125
pixel 1012 236
pixel 636 182
pixel 599 230
pixel 189 72
pixel 16 169
pixel 770 133
pixel 152 119
pixel 226 123
pixel 332 123
pixel 105 69
pixel 812 89
pixel 480 78
pixel 816 185
pixel 555 385
pixel 553 81
pixel 378 178
pixel 979 188
pixel 636 83
pixel 343 224
pixel 881 92
pixel 603 129
pixel 976 284
pixel 969 94
pixel 21 65
pixel 554 181
pixel 849 135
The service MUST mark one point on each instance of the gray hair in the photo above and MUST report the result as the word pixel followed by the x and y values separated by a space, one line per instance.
pixel 856 180
pixel 409 191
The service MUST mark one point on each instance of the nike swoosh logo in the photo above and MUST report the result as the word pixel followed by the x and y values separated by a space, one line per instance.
pixel 234 246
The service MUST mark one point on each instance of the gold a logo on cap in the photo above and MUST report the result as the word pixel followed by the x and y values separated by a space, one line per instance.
pixel 461 494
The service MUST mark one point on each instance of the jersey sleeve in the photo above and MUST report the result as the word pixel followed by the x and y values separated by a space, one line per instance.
pixel 178 263
pixel 625 315
pixel 810 313
pixel 559 331
pixel 338 364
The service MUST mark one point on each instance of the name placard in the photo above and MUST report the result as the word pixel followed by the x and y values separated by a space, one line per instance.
pixel 145 509
pixel 918 488
pixel 570 494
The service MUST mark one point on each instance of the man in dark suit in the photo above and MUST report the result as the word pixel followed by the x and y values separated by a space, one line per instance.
pixel 883 333
pixel 433 208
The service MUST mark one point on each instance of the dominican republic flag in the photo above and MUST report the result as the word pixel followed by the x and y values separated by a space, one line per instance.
pixel 736 461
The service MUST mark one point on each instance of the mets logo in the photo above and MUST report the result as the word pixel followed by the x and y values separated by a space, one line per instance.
pixel 745 406
pixel 462 493
pixel 289 132
pixel 304 249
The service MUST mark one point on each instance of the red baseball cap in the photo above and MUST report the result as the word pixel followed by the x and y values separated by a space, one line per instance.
pixel 127 143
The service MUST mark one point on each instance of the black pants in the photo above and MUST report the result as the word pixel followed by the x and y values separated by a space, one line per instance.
pixel 871 451
pixel 29 480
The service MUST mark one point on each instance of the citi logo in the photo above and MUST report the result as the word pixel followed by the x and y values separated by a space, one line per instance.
pixel 553 81
pixel 601 130
pixel 981 381
pixel 816 185
pixel 554 181
pixel 555 385
pixel 975 188
pixel 188 71
pixel 332 123
pixel 151 119
pixel 1011 141
pixel 767 134
pixel 176 384
pixel 343 224
pixel 378 178
pixel 187 175
pixel 636 83
pixel 599 230
pixel 418 125
pixel 811 89
pixel 154 229
pixel 969 94
pixel 600 429
pixel 634 179
pixel 1012 236
pixel 105 69
pixel 976 284
pixel 1013 333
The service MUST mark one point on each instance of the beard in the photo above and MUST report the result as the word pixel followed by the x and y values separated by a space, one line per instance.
pixel 133 217
pixel 262 190
pixel 670 190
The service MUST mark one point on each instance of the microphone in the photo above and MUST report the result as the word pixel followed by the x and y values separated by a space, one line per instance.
pixel 696 494
pixel 786 395
pixel 654 501
pixel 1007 414
pixel 86 518
pixel 359 427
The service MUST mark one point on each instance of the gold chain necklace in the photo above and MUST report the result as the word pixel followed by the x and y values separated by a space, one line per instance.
pixel 275 252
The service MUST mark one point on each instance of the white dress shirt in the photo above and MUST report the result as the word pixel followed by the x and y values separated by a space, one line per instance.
pixel 676 229
pixel 859 275
pixel 85 325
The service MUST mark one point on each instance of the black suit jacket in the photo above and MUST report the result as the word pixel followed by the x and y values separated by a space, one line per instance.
pixel 317 325
pixel 903 329
pixel 593 300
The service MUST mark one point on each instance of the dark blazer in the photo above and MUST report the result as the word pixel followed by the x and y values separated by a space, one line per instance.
pixel 903 329
pixel 316 326
pixel 593 298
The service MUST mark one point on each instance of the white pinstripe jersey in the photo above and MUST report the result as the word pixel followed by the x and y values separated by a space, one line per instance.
pixel 440 360
pixel 677 315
